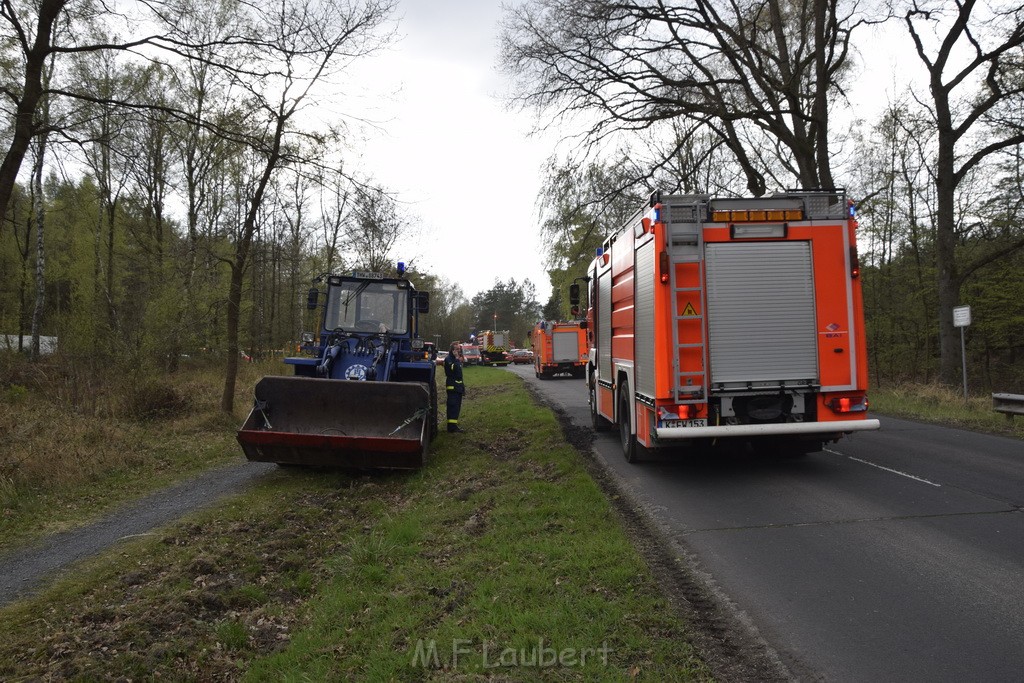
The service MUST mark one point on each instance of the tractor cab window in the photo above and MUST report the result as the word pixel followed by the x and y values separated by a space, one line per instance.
pixel 368 306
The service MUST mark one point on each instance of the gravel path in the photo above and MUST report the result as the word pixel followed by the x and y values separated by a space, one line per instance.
pixel 27 568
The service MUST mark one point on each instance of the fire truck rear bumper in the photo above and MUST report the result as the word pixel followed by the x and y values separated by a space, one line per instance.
pixel 794 428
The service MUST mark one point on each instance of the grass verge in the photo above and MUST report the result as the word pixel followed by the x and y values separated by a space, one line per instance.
pixel 941 405
pixel 500 560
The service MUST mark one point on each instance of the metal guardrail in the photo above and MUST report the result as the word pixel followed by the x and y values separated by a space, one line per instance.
pixel 1009 404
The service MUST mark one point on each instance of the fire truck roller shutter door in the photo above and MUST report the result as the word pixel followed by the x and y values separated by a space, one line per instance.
pixel 761 313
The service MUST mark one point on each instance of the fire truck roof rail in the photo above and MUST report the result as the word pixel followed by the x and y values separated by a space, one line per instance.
pixel 817 204
pixel 821 203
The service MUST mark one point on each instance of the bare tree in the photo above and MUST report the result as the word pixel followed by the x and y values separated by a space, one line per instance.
pixel 149 141
pixel 764 71
pixel 578 208
pixel 33 36
pixel 375 227
pixel 973 55
pixel 897 211
pixel 309 41
pixel 28 31
pixel 102 133
pixel 39 218
pixel 335 204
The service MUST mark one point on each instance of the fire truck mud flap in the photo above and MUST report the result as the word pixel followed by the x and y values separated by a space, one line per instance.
pixel 338 423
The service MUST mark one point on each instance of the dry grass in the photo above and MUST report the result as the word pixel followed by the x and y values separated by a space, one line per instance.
pixel 76 439
pixel 943 405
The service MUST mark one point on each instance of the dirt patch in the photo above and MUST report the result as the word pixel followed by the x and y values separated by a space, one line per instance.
pixel 730 647
pixel 200 604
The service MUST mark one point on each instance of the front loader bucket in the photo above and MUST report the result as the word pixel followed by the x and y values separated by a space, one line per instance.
pixel 338 423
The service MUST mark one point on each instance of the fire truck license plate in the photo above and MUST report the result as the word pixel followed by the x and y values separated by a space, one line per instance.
pixel 696 422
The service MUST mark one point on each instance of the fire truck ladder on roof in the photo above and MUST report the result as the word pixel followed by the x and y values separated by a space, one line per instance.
pixel 686 247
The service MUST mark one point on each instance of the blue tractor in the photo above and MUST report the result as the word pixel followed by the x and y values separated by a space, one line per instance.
pixel 367 397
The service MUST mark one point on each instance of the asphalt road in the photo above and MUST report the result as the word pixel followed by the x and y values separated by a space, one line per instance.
pixel 25 569
pixel 895 555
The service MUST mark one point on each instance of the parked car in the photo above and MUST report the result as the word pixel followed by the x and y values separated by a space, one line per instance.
pixel 440 357
pixel 522 356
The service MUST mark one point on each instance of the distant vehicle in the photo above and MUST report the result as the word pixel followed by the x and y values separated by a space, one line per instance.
pixel 441 355
pixel 471 355
pixel 494 346
pixel 522 356
pixel 560 347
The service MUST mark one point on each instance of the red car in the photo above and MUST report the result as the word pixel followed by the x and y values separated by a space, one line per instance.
pixel 471 355
pixel 522 356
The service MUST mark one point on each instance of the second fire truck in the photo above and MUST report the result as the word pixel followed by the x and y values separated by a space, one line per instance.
pixel 559 348
pixel 718 319
pixel 493 346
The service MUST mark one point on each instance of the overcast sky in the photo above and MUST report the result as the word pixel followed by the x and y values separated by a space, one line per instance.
pixel 461 162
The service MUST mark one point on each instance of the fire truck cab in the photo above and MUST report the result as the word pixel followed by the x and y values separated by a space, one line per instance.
pixel 729 318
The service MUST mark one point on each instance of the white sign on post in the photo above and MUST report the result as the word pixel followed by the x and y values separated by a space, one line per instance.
pixel 962 319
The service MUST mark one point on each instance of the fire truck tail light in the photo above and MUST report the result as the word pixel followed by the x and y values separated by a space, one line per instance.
pixel 683 412
pixel 848 404
pixel 663 266
pixel 854 262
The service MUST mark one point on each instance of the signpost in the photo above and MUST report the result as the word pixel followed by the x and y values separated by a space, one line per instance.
pixel 962 319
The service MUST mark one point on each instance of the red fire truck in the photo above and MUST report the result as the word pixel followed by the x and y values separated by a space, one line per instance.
pixel 715 319
pixel 559 347
pixel 493 346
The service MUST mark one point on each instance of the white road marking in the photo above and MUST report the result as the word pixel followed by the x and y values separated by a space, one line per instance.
pixel 889 469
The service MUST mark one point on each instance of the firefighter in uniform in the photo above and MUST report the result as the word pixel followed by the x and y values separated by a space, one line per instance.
pixel 454 386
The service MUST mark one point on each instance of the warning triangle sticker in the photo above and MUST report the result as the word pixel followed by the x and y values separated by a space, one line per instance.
pixel 689 310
